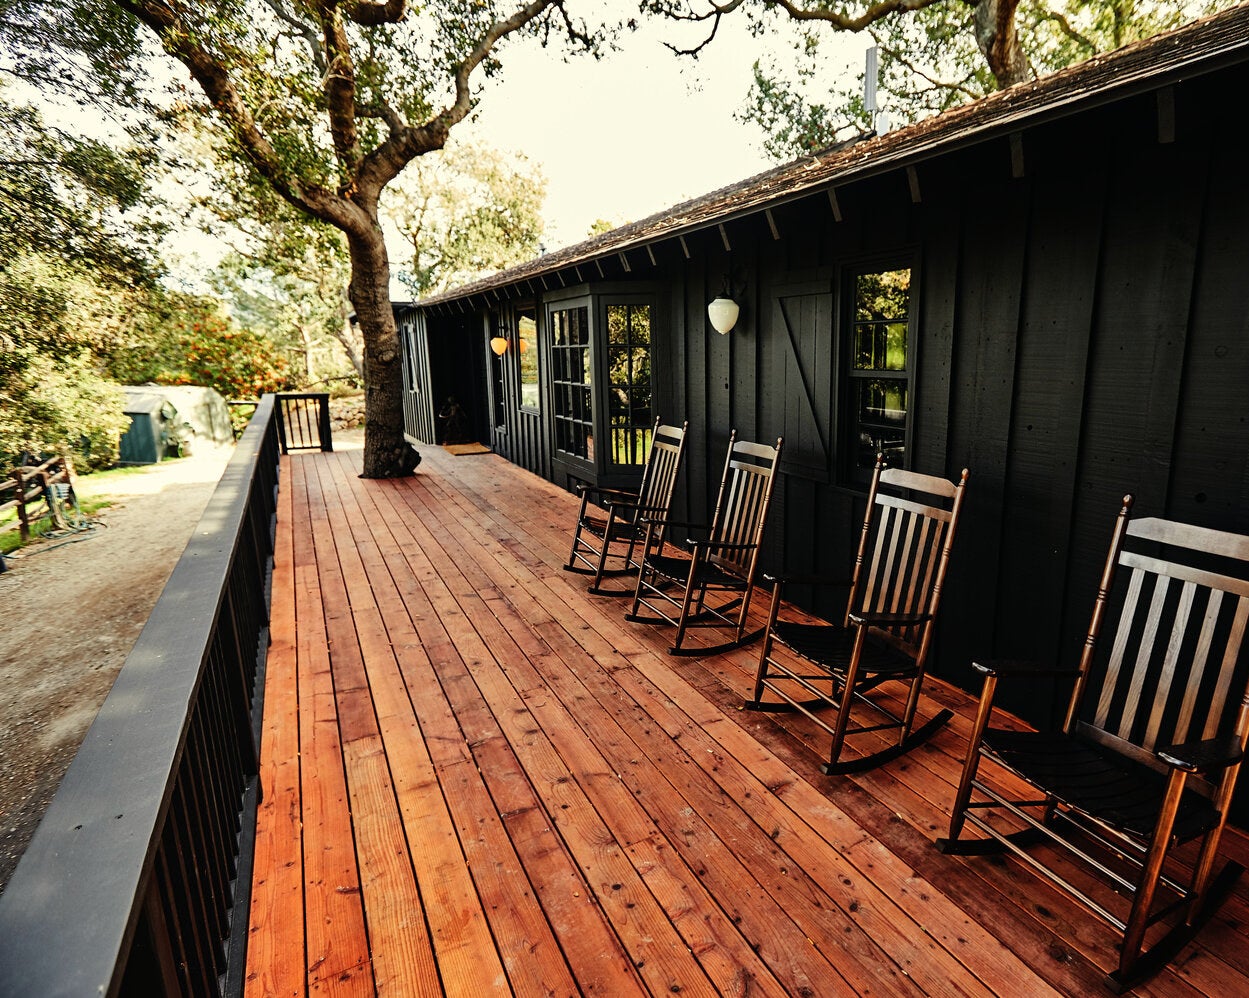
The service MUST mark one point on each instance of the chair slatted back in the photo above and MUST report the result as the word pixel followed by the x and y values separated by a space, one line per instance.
pixel 660 477
pixel 741 511
pixel 1171 666
pixel 904 551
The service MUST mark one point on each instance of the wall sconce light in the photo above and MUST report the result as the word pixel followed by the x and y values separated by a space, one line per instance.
pixel 499 345
pixel 723 313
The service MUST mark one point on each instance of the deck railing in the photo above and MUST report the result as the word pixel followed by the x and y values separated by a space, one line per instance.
pixel 304 421
pixel 137 880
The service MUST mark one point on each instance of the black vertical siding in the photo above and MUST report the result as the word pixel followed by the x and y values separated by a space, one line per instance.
pixel 1210 460
pixel 1083 332
pixel 1052 357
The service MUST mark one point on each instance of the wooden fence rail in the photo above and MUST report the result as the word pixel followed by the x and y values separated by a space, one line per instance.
pixel 28 486
pixel 137 879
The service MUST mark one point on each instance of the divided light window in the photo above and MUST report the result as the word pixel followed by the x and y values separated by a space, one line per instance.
pixel 573 381
pixel 878 371
pixel 629 383
pixel 527 357
pixel 498 410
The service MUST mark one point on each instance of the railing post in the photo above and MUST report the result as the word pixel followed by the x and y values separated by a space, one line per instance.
pixel 280 412
pixel 327 444
pixel 23 518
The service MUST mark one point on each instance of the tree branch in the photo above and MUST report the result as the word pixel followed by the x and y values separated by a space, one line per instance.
pixel 845 22
pixel 315 52
pixel 214 79
pixel 374 14
pixel 340 95
pixel 407 142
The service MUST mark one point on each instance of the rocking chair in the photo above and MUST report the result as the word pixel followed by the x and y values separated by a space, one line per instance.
pixel 676 589
pixel 887 629
pixel 1147 756
pixel 595 533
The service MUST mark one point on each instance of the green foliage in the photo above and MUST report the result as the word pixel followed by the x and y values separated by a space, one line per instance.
pixel 74 198
pixel 197 345
pixel 61 406
pixel 77 266
pixel 466 211
pixel 291 287
pixel 236 362
pixel 931 58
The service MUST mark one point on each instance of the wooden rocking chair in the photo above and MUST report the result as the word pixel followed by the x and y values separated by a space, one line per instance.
pixel 596 533
pixel 676 589
pixel 1148 754
pixel 887 629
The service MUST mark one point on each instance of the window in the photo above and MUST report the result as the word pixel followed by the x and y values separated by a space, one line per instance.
pixel 527 357
pixel 878 371
pixel 498 408
pixel 630 421
pixel 573 381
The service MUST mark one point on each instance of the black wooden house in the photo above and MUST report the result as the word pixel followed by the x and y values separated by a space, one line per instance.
pixel 1049 286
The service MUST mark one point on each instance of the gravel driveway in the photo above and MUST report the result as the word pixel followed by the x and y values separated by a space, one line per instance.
pixel 70 611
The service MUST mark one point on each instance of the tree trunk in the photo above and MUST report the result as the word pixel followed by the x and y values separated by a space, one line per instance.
pixel 386 453
pixel 998 39
pixel 310 372
pixel 350 341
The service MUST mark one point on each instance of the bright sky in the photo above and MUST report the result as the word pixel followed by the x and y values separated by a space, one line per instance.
pixel 629 135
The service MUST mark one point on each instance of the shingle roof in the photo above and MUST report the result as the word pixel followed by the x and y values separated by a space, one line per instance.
pixel 1197 48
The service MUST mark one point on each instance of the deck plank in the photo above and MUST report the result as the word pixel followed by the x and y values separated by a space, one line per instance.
pixel 337 940
pixel 275 952
pixel 502 786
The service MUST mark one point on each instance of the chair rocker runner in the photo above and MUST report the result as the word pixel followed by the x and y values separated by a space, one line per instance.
pixel 682 591
pixel 887 629
pixel 1147 756
pixel 598 537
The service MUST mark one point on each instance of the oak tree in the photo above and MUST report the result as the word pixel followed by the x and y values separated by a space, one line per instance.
pixel 327 101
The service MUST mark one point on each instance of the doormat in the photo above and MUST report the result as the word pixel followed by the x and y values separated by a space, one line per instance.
pixel 460 449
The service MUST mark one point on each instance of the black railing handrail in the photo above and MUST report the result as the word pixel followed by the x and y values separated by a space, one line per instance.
pixel 89 909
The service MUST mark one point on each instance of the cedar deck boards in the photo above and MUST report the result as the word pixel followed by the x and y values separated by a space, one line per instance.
pixel 478 779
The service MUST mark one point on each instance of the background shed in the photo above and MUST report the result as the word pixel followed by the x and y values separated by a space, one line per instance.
pixel 150 417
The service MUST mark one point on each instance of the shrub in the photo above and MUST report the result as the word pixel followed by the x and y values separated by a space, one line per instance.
pixel 62 407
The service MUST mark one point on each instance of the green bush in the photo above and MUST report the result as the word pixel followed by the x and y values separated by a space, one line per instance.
pixel 62 407
pixel 201 347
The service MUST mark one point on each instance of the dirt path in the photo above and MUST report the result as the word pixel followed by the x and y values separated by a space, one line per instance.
pixel 70 611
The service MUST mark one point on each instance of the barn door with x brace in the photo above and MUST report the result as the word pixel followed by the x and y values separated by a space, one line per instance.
pixel 800 378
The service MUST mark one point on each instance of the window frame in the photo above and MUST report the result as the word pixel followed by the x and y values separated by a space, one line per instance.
pixel 597 296
pixel 606 299
pixel 849 473
pixel 555 383
pixel 518 314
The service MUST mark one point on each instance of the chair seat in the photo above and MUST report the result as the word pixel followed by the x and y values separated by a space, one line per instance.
pixel 620 530
pixel 678 570
pixel 831 646
pixel 1103 784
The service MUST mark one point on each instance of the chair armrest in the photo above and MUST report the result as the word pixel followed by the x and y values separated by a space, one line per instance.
pixel 889 619
pixel 1017 668
pixel 806 580
pixel 1197 757
pixel 584 488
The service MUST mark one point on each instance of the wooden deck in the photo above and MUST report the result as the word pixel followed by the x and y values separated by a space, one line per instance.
pixel 479 780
